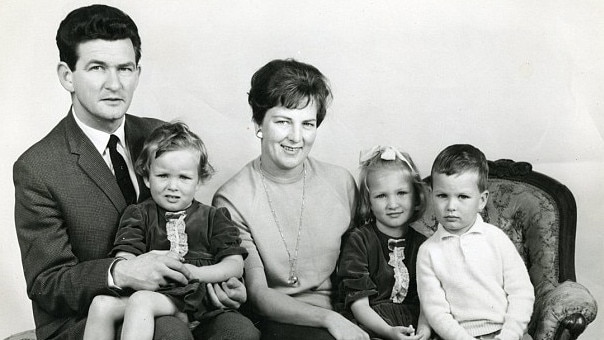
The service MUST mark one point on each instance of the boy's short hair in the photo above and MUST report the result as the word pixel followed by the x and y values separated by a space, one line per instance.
pixel 173 137
pixel 459 158
pixel 94 22
pixel 291 84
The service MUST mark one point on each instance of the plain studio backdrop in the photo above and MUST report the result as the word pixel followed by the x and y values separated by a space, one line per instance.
pixel 522 80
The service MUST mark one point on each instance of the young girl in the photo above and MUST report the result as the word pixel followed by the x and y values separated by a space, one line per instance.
pixel 174 164
pixel 376 269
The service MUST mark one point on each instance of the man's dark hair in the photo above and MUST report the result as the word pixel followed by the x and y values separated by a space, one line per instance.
pixel 94 22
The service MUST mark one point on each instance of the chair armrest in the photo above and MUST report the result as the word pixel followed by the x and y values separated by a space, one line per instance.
pixel 568 306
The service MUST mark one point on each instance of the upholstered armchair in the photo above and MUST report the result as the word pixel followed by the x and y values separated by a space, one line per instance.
pixel 539 214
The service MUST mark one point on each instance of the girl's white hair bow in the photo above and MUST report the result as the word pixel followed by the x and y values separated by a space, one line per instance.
pixel 387 153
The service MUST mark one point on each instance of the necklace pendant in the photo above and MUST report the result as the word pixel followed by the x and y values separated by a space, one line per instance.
pixel 293 281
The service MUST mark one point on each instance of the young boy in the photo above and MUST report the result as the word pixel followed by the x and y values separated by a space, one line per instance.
pixel 472 282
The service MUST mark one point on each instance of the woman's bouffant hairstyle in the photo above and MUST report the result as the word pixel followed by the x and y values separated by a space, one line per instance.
pixel 458 158
pixel 94 22
pixel 377 162
pixel 172 137
pixel 291 84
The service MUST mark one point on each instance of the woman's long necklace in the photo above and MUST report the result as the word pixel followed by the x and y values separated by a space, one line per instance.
pixel 292 279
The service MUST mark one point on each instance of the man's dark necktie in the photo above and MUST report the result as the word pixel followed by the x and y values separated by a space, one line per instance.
pixel 121 171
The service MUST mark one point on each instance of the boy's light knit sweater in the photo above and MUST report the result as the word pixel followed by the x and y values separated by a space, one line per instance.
pixel 474 284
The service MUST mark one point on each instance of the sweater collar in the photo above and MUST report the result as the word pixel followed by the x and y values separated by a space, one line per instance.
pixel 476 228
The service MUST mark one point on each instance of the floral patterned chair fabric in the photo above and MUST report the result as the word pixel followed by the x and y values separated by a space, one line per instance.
pixel 539 215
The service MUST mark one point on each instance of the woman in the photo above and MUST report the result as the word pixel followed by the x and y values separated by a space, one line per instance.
pixel 292 210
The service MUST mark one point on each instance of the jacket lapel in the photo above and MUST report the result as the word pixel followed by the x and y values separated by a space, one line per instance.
pixel 92 163
pixel 135 138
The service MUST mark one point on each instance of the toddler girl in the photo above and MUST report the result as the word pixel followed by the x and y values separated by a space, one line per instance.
pixel 173 165
pixel 376 269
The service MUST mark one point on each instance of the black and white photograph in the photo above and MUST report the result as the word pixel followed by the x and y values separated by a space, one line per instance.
pixel 266 169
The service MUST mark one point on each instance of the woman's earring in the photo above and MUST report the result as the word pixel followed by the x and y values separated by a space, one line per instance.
pixel 259 134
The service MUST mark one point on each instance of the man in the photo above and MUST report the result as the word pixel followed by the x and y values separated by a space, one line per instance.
pixel 72 186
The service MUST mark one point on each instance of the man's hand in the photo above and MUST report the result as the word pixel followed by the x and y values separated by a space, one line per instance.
pixel 228 294
pixel 149 271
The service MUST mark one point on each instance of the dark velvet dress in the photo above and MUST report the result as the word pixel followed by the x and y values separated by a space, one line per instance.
pixel 210 236
pixel 363 271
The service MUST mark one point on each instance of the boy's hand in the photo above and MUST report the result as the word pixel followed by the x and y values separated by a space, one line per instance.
pixel 424 333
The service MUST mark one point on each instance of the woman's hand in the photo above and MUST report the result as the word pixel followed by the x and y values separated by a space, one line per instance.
pixel 404 333
pixel 229 294
pixel 341 328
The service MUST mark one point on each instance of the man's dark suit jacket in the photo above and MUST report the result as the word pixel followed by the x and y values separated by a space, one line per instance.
pixel 67 209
